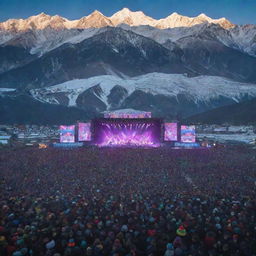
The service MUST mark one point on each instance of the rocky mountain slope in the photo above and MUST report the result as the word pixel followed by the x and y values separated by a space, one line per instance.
pixel 23 109
pixel 115 51
pixel 239 113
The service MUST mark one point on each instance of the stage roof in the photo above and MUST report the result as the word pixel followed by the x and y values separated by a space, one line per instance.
pixel 126 111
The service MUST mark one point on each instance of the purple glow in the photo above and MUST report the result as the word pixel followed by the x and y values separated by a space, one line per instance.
pixel 84 131
pixel 128 137
pixel 128 133
pixel 170 132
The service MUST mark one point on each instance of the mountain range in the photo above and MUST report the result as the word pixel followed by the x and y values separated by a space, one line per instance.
pixel 97 19
pixel 172 66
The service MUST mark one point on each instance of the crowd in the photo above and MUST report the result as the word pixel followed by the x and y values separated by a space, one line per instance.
pixel 128 202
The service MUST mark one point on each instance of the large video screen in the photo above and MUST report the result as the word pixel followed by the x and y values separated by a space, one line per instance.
pixel 124 132
pixel 84 131
pixel 67 134
pixel 170 132
pixel 188 133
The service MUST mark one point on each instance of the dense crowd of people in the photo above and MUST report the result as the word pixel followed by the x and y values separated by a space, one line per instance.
pixel 128 202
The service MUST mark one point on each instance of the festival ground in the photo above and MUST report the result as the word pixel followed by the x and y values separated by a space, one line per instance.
pixel 113 201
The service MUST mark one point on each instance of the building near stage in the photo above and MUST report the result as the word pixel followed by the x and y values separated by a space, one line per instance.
pixel 4 139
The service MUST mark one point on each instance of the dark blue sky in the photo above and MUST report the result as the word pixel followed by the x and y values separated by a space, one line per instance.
pixel 237 11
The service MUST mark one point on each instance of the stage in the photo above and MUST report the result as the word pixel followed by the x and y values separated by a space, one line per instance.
pixel 123 130
pixel 132 132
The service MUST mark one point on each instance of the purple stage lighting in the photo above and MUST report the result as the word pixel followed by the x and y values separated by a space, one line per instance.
pixel 127 132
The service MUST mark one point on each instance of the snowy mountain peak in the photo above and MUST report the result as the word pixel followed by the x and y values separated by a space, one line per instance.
pixel 42 14
pixel 131 18
pixel 176 20
pixel 202 15
pixel 124 11
pixel 36 22
pixel 95 20
pixel 95 13
pixel 39 18
pixel 223 22
pixel 174 14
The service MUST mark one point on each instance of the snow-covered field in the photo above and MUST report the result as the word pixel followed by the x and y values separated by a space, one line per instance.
pixel 7 90
pixel 199 89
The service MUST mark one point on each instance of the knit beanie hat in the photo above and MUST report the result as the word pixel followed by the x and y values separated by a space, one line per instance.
pixel 83 244
pixel 181 231
pixel 71 243
pixel 50 245
pixel 169 246
pixel 17 253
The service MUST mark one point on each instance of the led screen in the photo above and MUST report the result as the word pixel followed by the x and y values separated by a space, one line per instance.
pixel 133 132
pixel 67 134
pixel 84 131
pixel 188 133
pixel 170 132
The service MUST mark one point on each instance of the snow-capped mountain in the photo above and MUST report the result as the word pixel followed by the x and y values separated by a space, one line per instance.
pixel 114 51
pixel 40 21
pixel 97 19
pixel 38 33
pixel 169 66
pixel 155 92
pixel 94 20
pixel 42 33
pixel 125 16
pixel 176 20
pixel 244 37
pixel 125 53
